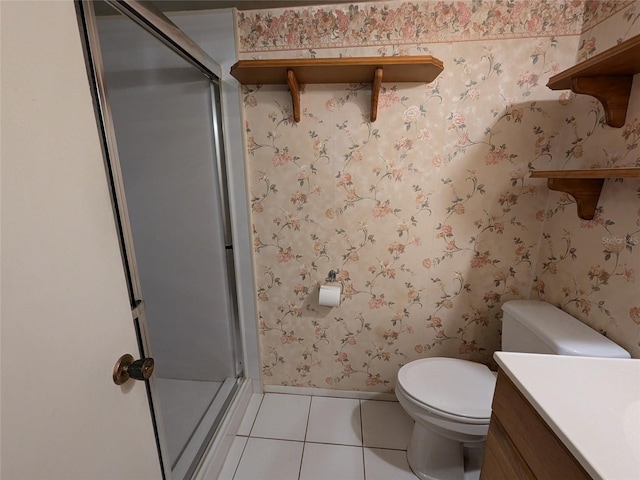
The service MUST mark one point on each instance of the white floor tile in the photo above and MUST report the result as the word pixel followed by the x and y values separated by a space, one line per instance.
pixel 334 420
pixel 266 459
pixel 331 462
pixel 385 425
pixel 282 417
pixel 250 414
pixel 232 459
pixel 382 464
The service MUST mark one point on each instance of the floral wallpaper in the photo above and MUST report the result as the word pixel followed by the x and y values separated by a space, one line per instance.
pixel 427 215
pixel 407 23
pixel 588 268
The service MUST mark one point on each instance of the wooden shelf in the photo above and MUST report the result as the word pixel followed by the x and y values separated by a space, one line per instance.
pixel 374 70
pixel 583 185
pixel 608 77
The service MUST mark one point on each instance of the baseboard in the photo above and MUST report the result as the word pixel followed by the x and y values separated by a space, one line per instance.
pixel 213 459
pixel 328 392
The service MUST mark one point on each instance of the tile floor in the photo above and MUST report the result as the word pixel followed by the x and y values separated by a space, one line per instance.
pixel 301 437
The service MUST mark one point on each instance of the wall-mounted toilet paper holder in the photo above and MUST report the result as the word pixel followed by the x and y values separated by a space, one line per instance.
pixel 331 277
pixel 329 295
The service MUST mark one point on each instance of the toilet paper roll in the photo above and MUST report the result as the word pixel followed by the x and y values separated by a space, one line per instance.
pixel 329 295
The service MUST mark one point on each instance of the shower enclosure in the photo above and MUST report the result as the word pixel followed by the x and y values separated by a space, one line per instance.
pixel 160 109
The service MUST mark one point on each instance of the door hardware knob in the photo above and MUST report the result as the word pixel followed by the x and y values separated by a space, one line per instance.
pixel 126 368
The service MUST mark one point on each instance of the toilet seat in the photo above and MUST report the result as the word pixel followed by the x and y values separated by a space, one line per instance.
pixel 450 386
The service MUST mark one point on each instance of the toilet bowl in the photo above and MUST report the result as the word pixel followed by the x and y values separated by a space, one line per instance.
pixel 450 401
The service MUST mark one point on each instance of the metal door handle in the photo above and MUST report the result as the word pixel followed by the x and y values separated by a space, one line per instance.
pixel 126 368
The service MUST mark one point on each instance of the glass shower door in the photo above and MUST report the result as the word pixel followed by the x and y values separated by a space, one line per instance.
pixel 166 120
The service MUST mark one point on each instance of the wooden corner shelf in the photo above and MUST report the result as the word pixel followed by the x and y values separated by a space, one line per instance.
pixel 608 77
pixel 374 70
pixel 583 185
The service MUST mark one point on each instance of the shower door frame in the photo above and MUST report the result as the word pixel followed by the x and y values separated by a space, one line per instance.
pixel 152 20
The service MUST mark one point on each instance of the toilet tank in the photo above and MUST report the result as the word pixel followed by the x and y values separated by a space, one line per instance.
pixel 532 326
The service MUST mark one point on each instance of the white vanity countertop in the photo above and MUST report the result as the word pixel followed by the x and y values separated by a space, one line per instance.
pixel 591 404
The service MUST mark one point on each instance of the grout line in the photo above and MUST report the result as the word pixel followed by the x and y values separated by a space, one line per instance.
pixel 235 470
pixel 361 423
pixel 336 444
pixel 306 427
pixel 306 432
pixel 386 448
pixel 326 443
pixel 278 439
pixel 323 443
pixel 301 459
pixel 256 415
pixel 248 436
pixel 364 466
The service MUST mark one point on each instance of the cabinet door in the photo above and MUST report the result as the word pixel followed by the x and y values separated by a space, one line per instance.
pixel 521 440
pixel 502 461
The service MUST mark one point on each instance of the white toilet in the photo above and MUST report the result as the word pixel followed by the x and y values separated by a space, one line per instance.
pixel 450 399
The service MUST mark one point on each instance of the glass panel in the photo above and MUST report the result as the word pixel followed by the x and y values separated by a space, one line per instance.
pixel 162 110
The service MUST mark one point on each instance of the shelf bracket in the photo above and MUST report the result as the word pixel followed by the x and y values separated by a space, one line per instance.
pixel 294 89
pixel 375 92
pixel 585 191
pixel 612 91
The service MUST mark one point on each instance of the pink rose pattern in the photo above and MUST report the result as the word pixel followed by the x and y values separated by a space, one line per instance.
pixel 428 215
pixel 408 23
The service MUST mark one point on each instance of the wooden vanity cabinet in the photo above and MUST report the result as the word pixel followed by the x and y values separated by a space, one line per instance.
pixel 520 445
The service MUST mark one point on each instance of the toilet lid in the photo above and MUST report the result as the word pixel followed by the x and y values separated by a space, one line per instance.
pixel 454 386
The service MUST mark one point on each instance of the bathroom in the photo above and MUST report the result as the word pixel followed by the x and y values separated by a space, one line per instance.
pixel 428 215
